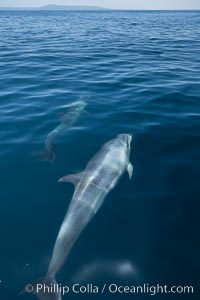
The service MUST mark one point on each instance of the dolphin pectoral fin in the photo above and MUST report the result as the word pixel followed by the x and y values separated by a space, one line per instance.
pixel 73 178
pixel 130 170
pixel 86 113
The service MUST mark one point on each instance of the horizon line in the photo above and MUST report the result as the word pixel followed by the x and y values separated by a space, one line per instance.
pixel 89 6
pixel 101 8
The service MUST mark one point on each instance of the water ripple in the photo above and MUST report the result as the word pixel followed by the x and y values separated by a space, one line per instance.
pixel 139 73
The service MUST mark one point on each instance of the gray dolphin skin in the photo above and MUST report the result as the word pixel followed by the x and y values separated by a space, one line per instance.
pixel 67 119
pixel 91 187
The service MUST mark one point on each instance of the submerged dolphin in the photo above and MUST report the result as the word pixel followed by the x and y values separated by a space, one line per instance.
pixel 91 187
pixel 68 118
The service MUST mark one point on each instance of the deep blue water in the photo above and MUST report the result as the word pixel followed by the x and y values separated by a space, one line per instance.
pixel 140 73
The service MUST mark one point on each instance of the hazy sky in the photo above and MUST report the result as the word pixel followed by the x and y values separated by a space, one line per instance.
pixel 124 4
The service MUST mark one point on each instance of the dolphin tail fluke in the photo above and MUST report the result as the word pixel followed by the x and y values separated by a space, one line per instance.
pixel 43 289
pixel 45 155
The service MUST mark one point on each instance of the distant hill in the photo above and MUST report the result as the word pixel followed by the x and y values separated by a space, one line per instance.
pixel 55 7
pixel 64 7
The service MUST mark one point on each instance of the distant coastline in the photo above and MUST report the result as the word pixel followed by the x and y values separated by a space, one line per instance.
pixel 55 7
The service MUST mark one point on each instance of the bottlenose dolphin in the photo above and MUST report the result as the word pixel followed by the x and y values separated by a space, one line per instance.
pixel 67 119
pixel 91 187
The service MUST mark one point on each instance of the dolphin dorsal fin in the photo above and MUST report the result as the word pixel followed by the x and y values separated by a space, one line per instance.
pixel 73 178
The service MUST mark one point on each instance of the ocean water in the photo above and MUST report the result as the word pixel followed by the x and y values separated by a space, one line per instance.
pixel 140 73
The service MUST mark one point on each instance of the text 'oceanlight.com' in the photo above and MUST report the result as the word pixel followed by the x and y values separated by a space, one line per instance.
pixel 109 288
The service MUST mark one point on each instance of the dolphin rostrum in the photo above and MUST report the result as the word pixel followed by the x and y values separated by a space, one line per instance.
pixel 67 119
pixel 91 187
